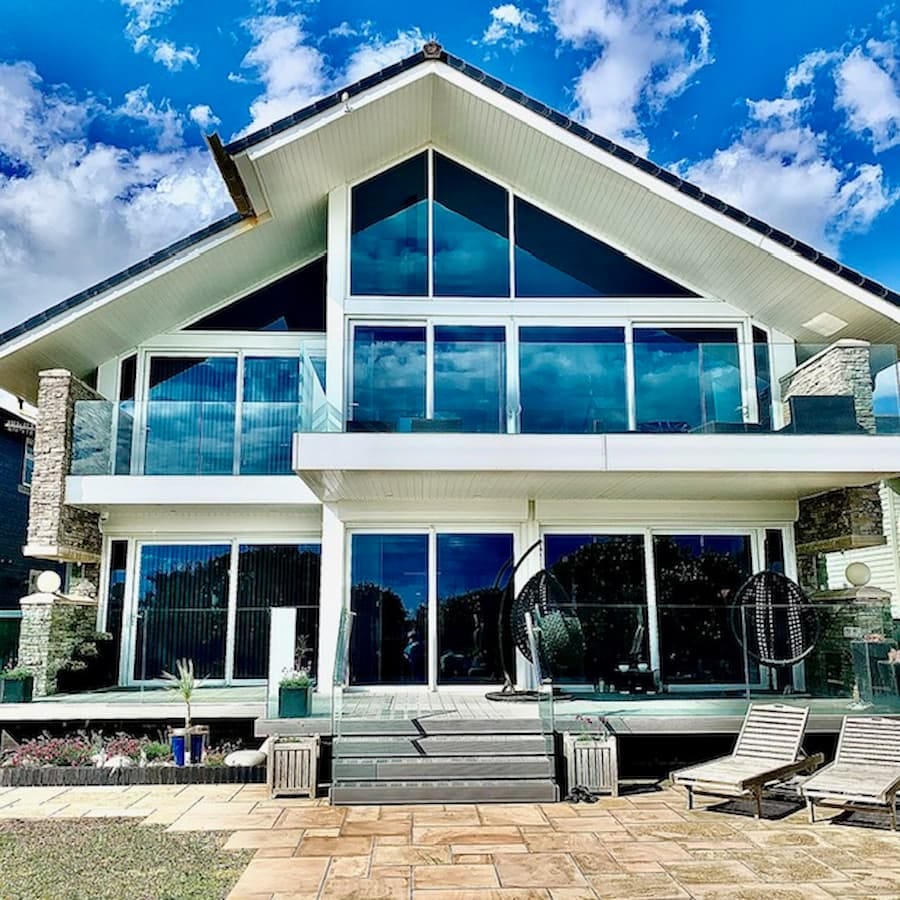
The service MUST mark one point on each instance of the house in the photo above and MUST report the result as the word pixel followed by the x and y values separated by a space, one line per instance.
pixel 16 570
pixel 444 325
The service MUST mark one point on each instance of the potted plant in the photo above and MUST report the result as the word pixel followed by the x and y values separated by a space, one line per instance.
pixel 296 685
pixel 16 684
pixel 188 743
pixel 592 757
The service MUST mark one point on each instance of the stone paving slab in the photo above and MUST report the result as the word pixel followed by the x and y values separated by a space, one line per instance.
pixel 644 846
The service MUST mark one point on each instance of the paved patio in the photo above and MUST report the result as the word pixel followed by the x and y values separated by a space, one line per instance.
pixel 642 845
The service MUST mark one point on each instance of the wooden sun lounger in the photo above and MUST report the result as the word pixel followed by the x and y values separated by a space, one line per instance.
pixel 768 749
pixel 865 773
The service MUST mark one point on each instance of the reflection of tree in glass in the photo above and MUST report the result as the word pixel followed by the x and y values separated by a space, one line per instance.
pixel 387 645
pixel 694 590
pixel 468 640
pixel 605 579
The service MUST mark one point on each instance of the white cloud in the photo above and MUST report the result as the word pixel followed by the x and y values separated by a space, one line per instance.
pixel 869 95
pixel 143 17
pixel 294 71
pixel 508 24
pixel 378 53
pixel 781 169
pixel 648 52
pixel 73 210
pixel 203 116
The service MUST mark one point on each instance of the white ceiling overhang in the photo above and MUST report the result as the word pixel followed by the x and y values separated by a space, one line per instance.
pixel 458 467
pixel 289 175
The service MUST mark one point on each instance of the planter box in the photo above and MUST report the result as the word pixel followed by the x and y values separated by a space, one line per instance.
pixel 16 690
pixel 593 764
pixel 293 766
pixel 294 702
pixel 78 776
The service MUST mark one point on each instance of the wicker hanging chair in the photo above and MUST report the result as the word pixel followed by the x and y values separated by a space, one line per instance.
pixel 774 621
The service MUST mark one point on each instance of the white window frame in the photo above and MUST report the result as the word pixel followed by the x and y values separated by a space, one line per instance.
pixel 512 193
pixel 431 530
pixel 27 456
pixel 128 652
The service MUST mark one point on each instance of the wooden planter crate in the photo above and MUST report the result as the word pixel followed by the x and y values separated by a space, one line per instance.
pixel 593 764
pixel 293 766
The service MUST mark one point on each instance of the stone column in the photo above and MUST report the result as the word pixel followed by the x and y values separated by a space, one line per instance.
pixel 56 530
pixel 841 369
pixel 52 627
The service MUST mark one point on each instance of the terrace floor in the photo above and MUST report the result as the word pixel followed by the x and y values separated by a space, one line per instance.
pixel 644 844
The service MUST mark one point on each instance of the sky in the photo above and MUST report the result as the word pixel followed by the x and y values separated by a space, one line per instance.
pixel 792 116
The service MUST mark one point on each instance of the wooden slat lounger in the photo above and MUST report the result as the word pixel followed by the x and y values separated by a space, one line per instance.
pixel 768 749
pixel 865 773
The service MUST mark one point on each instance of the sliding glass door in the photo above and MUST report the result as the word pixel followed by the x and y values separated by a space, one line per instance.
pixel 427 607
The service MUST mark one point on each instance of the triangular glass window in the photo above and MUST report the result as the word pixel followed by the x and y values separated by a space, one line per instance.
pixel 293 303
pixel 554 259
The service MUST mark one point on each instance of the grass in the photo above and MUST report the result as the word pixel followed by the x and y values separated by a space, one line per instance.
pixel 113 858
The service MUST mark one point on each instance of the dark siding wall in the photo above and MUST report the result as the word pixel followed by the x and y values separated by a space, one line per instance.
pixel 14 567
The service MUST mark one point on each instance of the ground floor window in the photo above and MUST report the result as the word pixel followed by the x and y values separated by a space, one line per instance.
pixel 427 607
pixel 210 602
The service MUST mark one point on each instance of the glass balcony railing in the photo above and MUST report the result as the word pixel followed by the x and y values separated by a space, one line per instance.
pixel 553 384
pixel 829 650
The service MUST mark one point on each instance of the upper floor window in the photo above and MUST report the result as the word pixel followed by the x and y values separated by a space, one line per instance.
pixel 430 227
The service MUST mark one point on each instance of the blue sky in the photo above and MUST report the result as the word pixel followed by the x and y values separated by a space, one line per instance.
pixel 792 116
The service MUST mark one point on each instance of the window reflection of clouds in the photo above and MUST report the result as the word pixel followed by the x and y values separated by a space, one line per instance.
pixel 572 380
pixel 470 377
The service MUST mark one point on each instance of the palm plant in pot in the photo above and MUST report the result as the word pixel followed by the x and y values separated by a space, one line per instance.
pixel 16 684
pixel 188 742
pixel 296 685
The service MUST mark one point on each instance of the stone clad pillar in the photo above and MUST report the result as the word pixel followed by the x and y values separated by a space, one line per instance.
pixel 56 530
pixel 52 627
pixel 841 369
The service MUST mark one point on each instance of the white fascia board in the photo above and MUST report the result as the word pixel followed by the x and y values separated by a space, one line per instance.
pixel 127 287
pixel 752 453
pixel 101 491
pixel 596 453
pixel 323 119
pixel 669 193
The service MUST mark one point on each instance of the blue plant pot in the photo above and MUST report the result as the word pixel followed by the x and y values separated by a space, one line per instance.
pixel 198 744
pixel 177 743
pixel 294 702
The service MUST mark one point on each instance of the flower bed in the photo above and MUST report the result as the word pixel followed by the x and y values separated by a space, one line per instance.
pixel 83 759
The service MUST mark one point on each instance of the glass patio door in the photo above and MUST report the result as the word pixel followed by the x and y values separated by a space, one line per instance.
pixel 182 609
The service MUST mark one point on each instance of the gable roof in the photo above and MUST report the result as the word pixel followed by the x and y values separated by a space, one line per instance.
pixel 197 272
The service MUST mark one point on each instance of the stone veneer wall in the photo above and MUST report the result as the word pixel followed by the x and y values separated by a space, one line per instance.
pixel 841 369
pixel 52 627
pixel 56 530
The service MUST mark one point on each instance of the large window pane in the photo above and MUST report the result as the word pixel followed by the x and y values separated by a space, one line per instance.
pixel 696 578
pixel 190 416
pixel 470 378
pixel 271 575
pixel 572 380
pixel 389 244
pixel 388 378
pixel 471 233
pixel 269 414
pixel 389 595
pixel 125 423
pixel 182 609
pixel 554 259
pixel 468 567
pixel 605 577
pixel 687 379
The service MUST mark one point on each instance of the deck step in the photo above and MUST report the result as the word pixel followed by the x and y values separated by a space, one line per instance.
pixel 441 768
pixel 348 793
pixel 440 745
pixel 428 725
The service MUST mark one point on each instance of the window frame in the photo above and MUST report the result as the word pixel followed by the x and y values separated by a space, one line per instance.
pixel 27 473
